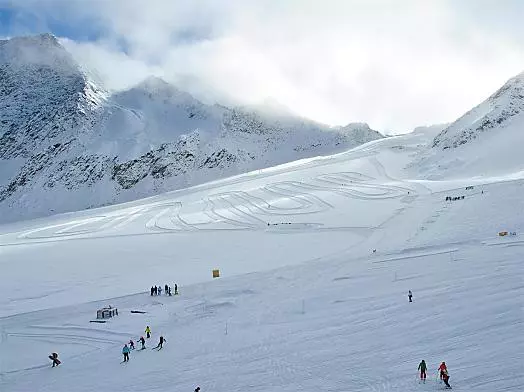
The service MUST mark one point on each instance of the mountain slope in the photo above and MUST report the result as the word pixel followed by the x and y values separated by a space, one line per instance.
pixel 485 141
pixel 66 144
pixel 503 109
pixel 303 301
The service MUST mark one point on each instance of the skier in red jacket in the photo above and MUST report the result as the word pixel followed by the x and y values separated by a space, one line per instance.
pixel 444 376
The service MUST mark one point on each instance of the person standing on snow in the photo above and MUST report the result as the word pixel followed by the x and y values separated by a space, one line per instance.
pixel 442 368
pixel 197 389
pixel 161 342
pixel 54 357
pixel 159 290
pixel 166 289
pixel 422 367
pixel 176 289
pixel 143 342
pixel 131 344
pixel 152 290
pixel 125 351
pixel 148 332
pixel 410 296
pixel 444 376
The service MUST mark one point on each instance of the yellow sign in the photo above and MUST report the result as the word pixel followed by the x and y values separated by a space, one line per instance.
pixel 216 273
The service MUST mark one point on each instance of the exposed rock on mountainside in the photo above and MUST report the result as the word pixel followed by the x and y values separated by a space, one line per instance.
pixel 487 139
pixel 497 112
pixel 67 144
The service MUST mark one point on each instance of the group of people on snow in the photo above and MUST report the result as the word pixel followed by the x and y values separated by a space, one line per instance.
pixel 128 347
pixel 157 290
pixel 442 369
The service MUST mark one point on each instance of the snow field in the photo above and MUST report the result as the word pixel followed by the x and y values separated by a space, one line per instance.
pixel 303 304
pixel 334 325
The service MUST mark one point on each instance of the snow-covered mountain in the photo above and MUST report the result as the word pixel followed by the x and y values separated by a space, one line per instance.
pixel 316 259
pixel 67 144
pixel 487 138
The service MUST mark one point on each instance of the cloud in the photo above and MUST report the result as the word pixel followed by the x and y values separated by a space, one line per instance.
pixel 393 64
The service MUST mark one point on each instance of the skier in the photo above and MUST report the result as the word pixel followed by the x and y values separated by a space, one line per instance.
pixel 166 289
pixel 169 290
pixel 197 389
pixel 176 289
pixel 422 367
pixel 54 357
pixel 148 332
pixel 143 342
pixel 161 342
pixel 444 376
pixel 152 290
pixel 155 290
pixel 131 344
pixel 159 290
pixel 410 296
pixel 125 351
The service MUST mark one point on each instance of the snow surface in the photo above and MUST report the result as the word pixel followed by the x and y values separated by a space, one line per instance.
pixel 303 303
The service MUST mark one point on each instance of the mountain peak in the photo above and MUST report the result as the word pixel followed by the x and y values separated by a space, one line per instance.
pixel 158 88
pixel 496 112
pixel 43 49
pixel 45 39
pixel 154 82
pixel 356 125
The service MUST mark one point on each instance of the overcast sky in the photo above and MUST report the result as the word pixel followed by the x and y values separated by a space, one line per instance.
pixel 395 64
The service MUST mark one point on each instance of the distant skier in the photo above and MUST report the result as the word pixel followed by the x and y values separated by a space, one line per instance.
pixel 131 344
pixel 152 290
pixel 155 290
pixel 444 376
pixel 161 342
pixel 159 290
pixel 410 296
pixel 142 342
pixel 54 357
pixel 166 289
pixel 169 290
pixel 148 332
pixel 197 389
pixel 176 289
pixel 125 351
pixel 422 367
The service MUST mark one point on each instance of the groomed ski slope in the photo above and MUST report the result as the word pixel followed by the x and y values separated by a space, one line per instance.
pixel 303 303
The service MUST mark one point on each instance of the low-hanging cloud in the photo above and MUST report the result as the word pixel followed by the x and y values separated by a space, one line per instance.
pixel 393 64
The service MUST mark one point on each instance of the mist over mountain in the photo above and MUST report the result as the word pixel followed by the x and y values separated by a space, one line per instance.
pixel 66 143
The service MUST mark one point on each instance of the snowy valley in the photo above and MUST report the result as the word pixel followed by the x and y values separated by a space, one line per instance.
pixel 317 247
